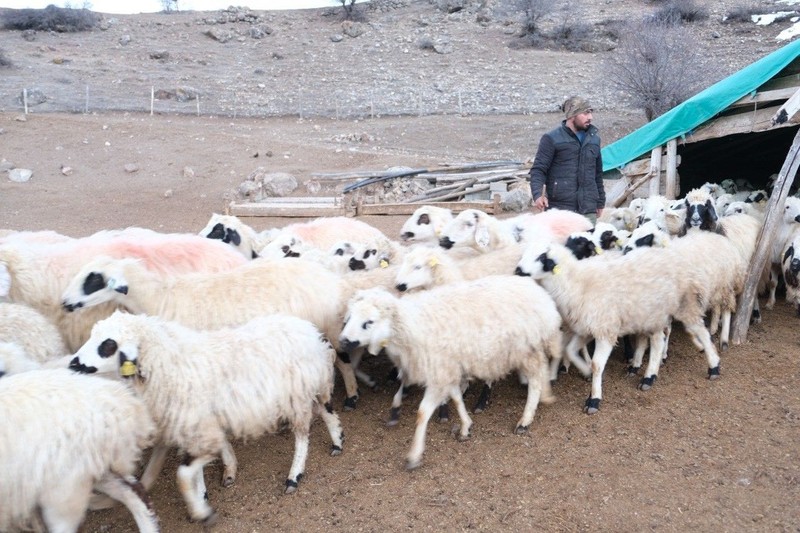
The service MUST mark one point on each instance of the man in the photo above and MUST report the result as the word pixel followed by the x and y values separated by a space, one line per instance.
pixel 567 171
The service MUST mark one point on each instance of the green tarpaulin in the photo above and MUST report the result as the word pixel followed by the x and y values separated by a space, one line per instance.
pixel 703 106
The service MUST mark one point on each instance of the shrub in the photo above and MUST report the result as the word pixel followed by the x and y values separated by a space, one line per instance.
pixel 659 66
pixel 51 18
pixel 679 12
pixel 4 61
pixel 743 13
pixel 352 11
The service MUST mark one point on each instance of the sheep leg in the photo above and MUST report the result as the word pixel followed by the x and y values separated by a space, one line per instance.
pixel 534 394
pixel 333 424
pixel 638 355
pixel 229 463
pixel 653 364
pixel 349 377
pixel 713 323
pixel 483 399
pixel 430 401
pixel 774 273
pixel 466 422
pixel 355 360
pixel 574 344
pixel 701 334
pixel 301 431
pixel 187 475
pixel 397 401
pixel 132 495
pixel 725 332
pixel 63 507
pixel 602 351
pixel 154 465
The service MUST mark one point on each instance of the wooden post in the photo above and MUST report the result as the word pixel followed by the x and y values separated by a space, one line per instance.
pixel 672 184
pixel 197 102
pixel 25 99
pixel 764 243
pixel 152 99
pixel 86 106
pixel 655 170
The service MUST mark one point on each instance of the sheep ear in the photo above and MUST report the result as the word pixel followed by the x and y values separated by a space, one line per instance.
pixel 424 219
pixel 789 253
pixel 482 237
pixel 232 236
pixel 117 286
pixel 712 212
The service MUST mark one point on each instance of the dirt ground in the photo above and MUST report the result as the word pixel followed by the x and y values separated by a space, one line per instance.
pixel 690 454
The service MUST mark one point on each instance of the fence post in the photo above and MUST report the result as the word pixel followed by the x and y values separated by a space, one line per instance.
pixel 86 106
pixel 152 99
pixel 25 99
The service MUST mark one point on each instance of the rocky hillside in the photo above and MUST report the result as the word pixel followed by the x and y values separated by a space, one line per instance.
pixel 404 57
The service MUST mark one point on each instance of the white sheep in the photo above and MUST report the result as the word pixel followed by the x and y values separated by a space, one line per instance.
pixel 201 386
pixel 605 300
pixel 482 329
pixel 64 435
pixel 659 209
pixel 647 235
pixel 425 225
pixel 232 231
pixel 785 229
pixel 33 331
pixel 637 205
pixel 424 267
pixel 14 360
pixel 324 233
pixel 39 273
pixel 623 218
pixel 483 232
pixel 791 270
pixel 215 300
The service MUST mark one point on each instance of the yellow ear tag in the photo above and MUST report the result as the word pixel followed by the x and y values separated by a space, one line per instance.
pixel 433 262
pixel 127 369
pixel 556 270
pixel 384 263
pixel 384 343
pixel 438 233
pixel 598 250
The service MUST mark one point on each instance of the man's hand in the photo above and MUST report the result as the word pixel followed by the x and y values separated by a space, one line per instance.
pixel 599 211
pixel 542 203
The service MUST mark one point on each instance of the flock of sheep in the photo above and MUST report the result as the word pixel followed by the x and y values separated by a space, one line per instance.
pixel 231 333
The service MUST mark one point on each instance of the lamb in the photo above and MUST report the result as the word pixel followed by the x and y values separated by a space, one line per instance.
pixel 483 232
pixel 609 237
pixel 425 225
pixel 441 336
pixel 231 230
pixel 623 218
pixel 200 386
pixel 39 273
pixel 262 286
pixel 631 303
pixel 337 259
pixel 659 209
pixel 647 235
pixel 64 435
pixel 15 360
pixel 34 332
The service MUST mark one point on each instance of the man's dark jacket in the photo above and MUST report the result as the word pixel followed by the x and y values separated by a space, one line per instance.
pixel 573 172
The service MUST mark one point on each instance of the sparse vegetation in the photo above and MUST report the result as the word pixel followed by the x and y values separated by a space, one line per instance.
pixel 679 12
pixel 744 13
pixel 659 66
pixel 4 61
pixel 51 18
pixel 169 6
pixel 352 11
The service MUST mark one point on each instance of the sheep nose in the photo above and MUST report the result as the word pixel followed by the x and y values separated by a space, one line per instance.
pixel 446 243
pixel 348 345
pixel 356 264
pixel 795 266
pixel 407 235
pixel 76 366
pixel 402 287
pixel 71 307
pixel 519 272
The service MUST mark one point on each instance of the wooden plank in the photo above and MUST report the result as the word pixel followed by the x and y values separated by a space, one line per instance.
pixel 408 209
pixel 285 210
pixel 765 96
pixel 764 243
pixel 781 83
pixel 655 170
pixel 759 120
pixel 671 179
pixel 332 200
pixel 787 110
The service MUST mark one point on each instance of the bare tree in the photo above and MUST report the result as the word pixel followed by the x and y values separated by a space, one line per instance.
pixel 170 6
pixel 351 12
pixel 659 66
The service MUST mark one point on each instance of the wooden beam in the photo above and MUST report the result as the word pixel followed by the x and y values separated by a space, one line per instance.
pixel 764 243
pixel 672 186
pixel 759 120
pixel 765 96
pixel 408 209
pixel 792 80
pixel 787 110
pixel 655 170
pixel 296 209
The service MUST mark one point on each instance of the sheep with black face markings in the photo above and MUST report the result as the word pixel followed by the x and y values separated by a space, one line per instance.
pixel 791 270
pixel 201 386
pixel 64 435
pixel 638 306
pixel 440 336
pixel 425 225
pixel 232 231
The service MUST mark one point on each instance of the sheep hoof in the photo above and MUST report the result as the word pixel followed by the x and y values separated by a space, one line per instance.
pixel 755 318
pixel 350 403
pixel 444 413
pixel 394 417
pixel 723 346
pixel 210 520
pixel 592 406
pixel 291 485
pixel 633 370
pixel 521 430
pixel 562 369
pixel 647 383
pixel 335 450
pixel 413 464
pixel 227 481
pixel 461 437
pixel 713 373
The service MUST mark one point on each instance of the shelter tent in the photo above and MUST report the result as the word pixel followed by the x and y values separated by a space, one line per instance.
pixel 740 127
